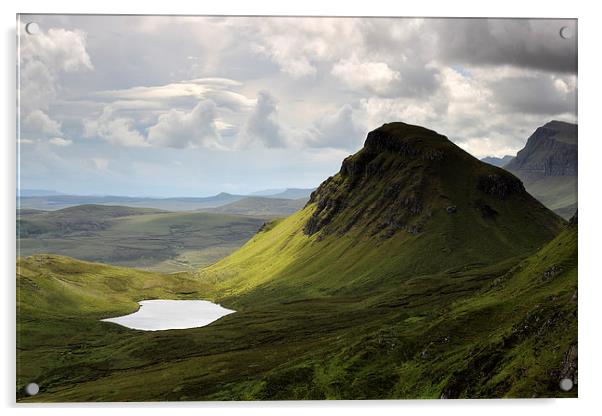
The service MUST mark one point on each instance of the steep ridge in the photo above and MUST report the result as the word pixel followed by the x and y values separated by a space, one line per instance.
pixel 409 203
pixel 548 166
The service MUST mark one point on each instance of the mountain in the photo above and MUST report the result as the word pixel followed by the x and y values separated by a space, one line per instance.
pixel 409 203
pixel 497 161
pixel 268 192
pixel 417 271
pixel 547 165
pixel 293 193
pixel 264 207
pixel 53 202
pixel 288 193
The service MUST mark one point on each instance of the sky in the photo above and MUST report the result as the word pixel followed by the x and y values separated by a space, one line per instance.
pixel 194 106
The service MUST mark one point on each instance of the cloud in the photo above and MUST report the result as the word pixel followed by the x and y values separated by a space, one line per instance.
pixel 537 94
pixel 58 49
pixel 116 131
pixel 58 141
pixel 38 122
pixel 298 46
pixel 282 86
pixel 43 57
pixel 179 129
pixel 524 43
pixel 338 130
pixel 262 126
pixel 375 77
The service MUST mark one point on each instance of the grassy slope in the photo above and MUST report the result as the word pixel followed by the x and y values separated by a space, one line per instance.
pixel 135 237
pixel 284 263
pixel 501 330
pixel 458 309
pixel 558 193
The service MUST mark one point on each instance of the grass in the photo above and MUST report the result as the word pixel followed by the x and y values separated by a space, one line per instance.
pixel 387 295
pixel 495 331
pixel 135 237
pixel 558 193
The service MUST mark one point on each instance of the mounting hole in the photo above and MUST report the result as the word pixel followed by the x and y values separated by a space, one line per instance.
pixel 32 389
pixel 566 32
pixel 566 384
pixel 32 28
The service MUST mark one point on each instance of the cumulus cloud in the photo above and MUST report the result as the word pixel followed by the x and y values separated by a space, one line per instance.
pixel 43 58
pixel 179 129
pixel 262 126
pixel 375 77
pixel 338 130
pixel 59 141
pixel 114 128
pixel 298 46
pixel 38 122
pixel 296 85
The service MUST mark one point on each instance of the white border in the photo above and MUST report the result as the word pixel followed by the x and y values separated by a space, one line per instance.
pixel 590 215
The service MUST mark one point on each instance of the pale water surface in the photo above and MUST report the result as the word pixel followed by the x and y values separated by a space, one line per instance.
pixel 159 315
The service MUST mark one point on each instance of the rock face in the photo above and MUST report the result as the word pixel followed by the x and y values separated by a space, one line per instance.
pixel 548 166
pixel 403 177
pixel 550 151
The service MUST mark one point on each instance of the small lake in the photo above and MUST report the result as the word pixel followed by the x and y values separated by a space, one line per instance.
pixel 160 315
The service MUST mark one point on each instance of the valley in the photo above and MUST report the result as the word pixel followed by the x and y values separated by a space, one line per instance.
pixel 135 237
pixel 417 271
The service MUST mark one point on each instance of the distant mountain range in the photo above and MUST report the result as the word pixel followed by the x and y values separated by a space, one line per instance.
pixel 258 206
pixel 51 200
pixel 497 161
pixel 547 165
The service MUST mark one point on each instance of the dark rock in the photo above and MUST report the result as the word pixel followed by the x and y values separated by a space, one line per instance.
pixel 552 272
pixel 500 185
pixel 486 210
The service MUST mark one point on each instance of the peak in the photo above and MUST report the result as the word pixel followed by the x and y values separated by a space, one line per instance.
pixel 402 177
pixel 404 138
pixel 559 124
pixel 402 129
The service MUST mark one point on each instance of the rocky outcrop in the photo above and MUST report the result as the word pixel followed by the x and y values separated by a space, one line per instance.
pixel 500 185
pixel 400 178
pixel 547 165
pixel 550 151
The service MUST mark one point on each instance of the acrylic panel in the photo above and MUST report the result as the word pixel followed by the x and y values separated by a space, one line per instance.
pixel 216 208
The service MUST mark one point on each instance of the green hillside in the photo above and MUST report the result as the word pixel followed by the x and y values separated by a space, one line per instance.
pixel 409 203
pixel 415 272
